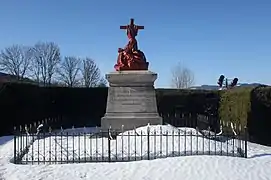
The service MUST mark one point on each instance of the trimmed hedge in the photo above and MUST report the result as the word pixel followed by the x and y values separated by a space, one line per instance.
pixel 249 107
pixel 86 106
pixel 24 103
pixel 17 103
pixel 77 106
pixel 235 106
pixel 188 101
pixel 259 122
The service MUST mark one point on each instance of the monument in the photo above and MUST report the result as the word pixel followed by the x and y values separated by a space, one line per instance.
pixel 131 100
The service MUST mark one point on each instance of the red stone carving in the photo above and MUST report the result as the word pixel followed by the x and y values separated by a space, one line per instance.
pixel 131 58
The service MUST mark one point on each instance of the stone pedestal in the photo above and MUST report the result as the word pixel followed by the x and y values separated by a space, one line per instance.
pixel 131 100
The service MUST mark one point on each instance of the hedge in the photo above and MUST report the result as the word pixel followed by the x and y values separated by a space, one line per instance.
pixel 86 106
pixel 250 107
pixel 20 104
pixel 259 122
pixel 192 101
pixel 235 106
pixel 24 103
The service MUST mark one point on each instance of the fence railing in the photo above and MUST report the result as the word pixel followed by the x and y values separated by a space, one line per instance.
pixel 176 119
pixel 145 143
pixel 192 120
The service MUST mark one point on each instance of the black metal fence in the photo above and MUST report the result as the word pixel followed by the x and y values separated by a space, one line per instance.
pixel 145 143
pixel 193 120
pixel 176 119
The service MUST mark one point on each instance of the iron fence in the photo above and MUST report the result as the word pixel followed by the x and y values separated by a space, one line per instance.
pixel 193 120
pixel 145 143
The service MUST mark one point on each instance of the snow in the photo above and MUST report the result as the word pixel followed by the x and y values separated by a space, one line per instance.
pixel 256 166
pixel 163 141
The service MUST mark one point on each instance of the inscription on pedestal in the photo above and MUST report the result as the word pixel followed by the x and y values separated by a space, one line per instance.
pixel 132 99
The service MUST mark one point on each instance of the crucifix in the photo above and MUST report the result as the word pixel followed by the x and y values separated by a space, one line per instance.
pixel 132 26
pixel 130 57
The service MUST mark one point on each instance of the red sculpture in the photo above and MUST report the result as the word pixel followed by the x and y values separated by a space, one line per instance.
pixel 131 58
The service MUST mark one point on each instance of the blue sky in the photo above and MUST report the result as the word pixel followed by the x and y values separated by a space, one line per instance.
pixel 211 37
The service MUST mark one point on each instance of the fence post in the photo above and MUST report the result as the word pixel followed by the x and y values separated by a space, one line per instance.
pixel 14 156
pixel 148 141
pixel 109 148
pixel 246 141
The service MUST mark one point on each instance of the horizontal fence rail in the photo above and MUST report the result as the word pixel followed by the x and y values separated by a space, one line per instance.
pixel 144 143
pixel 192 120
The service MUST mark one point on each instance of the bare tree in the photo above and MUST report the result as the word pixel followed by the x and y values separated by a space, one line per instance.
pixel 45 61
pixel 15 60
pixel 182 77
pixel 102 83
pixel 91 73
pixel 69 71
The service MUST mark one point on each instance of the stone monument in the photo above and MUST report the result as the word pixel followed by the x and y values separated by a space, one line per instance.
pixel 131 100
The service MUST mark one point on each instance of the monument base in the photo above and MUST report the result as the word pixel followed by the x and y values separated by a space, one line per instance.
pixel 131 100
pixel 128 123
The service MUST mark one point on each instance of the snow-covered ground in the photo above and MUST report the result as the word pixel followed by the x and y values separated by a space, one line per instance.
pixel 162 141
pixel 256 166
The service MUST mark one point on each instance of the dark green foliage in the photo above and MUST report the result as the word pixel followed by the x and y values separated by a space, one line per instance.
pixel 191 101
pixel 235 106
pixel 249 107
pixel 259 122
pixel 17 102
pixel 77 106
pixel 221 80
pixel 22 104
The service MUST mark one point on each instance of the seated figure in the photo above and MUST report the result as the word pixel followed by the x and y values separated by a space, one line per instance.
pixel 131 58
